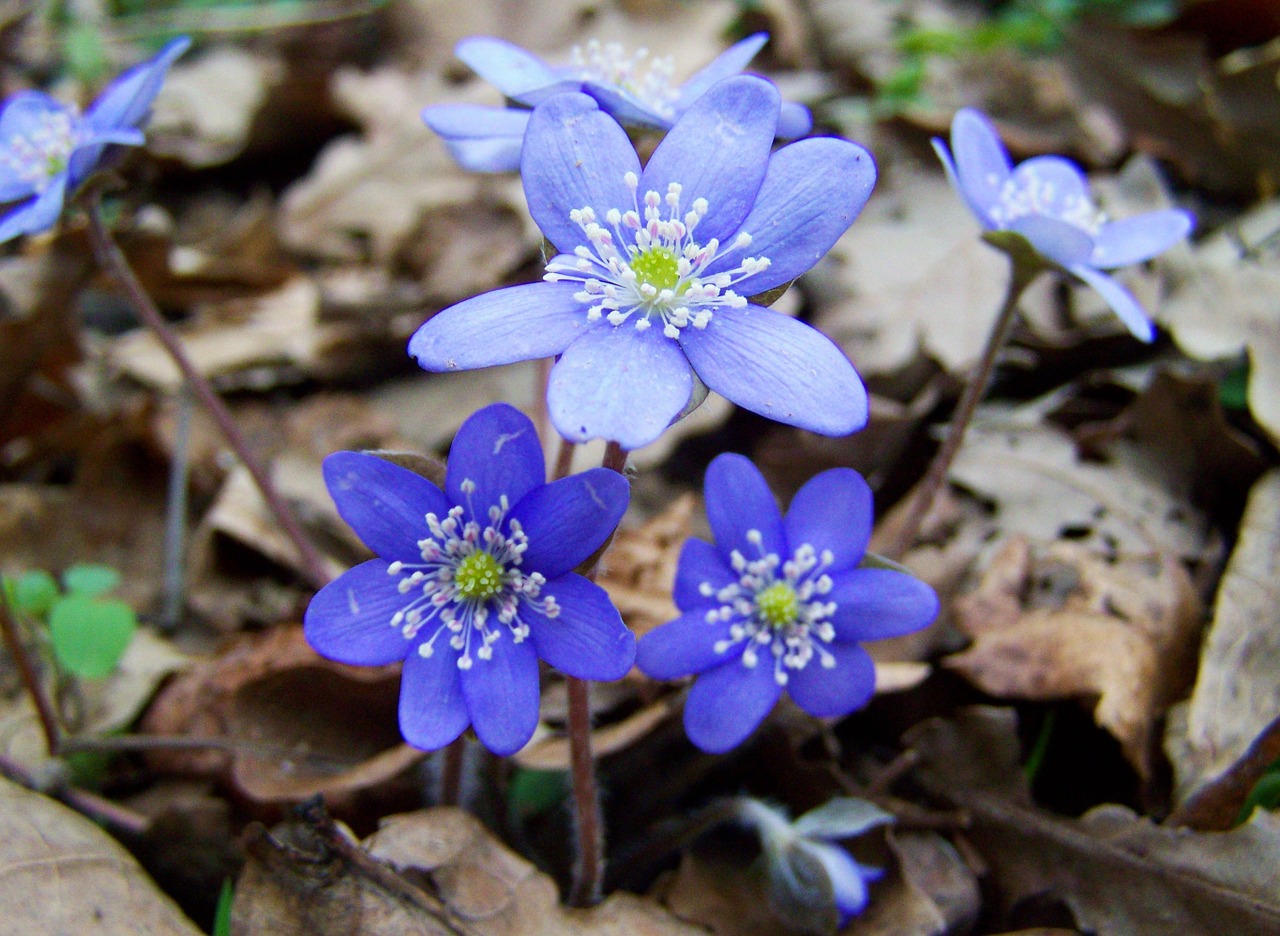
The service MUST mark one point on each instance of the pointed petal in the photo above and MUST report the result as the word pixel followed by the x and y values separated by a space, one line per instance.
pixel 349 620
pixel 569 519
pixel 519 323
pixel 982 164
pixel 844 688
pixel 873 604
pixel 778 367
pixel 718 150
pixel 626 109
pixel 512 70
pixel 832 511
pixel 620 384
pixel 848 880
pixel 1121 301
pixel 738 501
pixel 729 702
pixel 126 102
pixel 587 639
pixel 685 647
pixel 699 562
pixel 575 156
pixel 1058 241
pixel 502 695
pixel 794 121
pixel 728 63
pixel 480 139
pixel 497 449
pixel 811 193
pixel 384 504
pixel 1134 240
pixel 432 709
pixel 39 214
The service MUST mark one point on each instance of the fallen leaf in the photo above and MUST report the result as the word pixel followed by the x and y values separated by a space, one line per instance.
pixel 639 569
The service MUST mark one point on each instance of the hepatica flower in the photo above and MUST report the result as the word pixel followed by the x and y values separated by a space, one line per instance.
pixel 47 147
pixel 1046 200
pixel 637 89
pixel 779 604
pixel 473 584
pixel 656 265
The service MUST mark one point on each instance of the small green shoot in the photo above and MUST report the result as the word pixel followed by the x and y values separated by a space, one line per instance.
pixel 1265 793
pixel 222 917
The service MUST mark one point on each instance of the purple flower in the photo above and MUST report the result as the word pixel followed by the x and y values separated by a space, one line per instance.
pixel 653 271
pixel 1046 200
pixel 779 604
pixel 48 148
pixel 636 90
pixel 473 585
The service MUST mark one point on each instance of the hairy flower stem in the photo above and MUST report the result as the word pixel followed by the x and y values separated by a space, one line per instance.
pixel 113 261
pixel 451 774
pixel 1021 275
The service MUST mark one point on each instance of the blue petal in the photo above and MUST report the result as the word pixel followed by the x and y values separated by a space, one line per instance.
pixel 728 63
pixel 844 688
pixel 349 620
pixel 497 449
pixel 811 193
pixel 567 520
pixel 493 154
pixel 39 214
pixel 1121 301
pixel 981 162
pixel 519 323
pixel 1134 240
pixel 25 114
pixel 729 702
pixel 848 878
pixel 718 150
pixel 502 694
pixel 385 504
pixel 587 639
pixel 832 511
pixel 625 108
pixel 778 367
pixel 794 121
pixel 872 604
pixel 699 562
pixel 1055 240
pixel 480 139
pixel 685 646
pixel 620 384
pixel 738 501
pixel 575 156
pixel 512 70
pixel 1058 184
pixel 432 709
pixel 126 102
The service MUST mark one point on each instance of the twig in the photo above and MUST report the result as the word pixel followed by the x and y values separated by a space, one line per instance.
pixel 45 711
pixel 95 807
pixel 114 262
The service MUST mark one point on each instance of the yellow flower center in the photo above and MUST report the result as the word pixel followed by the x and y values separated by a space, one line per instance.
pixel 478 576
pixel 778 604
pixel 657 267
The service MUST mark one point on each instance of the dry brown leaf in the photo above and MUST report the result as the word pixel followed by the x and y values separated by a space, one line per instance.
pixel 1058 622
pixel 60 873
pixel 639 570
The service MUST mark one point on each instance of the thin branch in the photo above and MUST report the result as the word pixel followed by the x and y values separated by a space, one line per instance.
pixel 47 714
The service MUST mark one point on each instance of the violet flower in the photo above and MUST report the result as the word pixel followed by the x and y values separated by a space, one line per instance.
pixel 653 271
pixel 779 604
pixel 636 90
pixel 473 585
pixel 1046 200
pixel 48 148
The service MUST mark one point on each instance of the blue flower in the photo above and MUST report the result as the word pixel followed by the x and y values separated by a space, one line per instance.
pixel 636 90
pixel 473 584
pixel 1046 200
pixel 48 148
pixel 653 271
pixel 779 604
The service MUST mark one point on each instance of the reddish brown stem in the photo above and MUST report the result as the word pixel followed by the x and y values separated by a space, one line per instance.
pixel 451 774
pixel 30 676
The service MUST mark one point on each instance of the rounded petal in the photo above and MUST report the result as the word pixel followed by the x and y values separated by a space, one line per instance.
pixel 811 193
pixel 38 214
pixel 1059 241
pixel 685 646
pixel 729 702
pixel 25 114
pixel 497 450
pixel 625 108
pixel 126 102
pixel 512 70
pixel 873 604
pixel 587 639
pixel 738 501
pixel 718 150
pixel 620 384
pixel 832 511
pixel 480 139
pixel 831 692
pixel 1056 185
pixel 575 156
pixel 502 695
pixel 569 519
pixel 794 121
pixel 848 878
pixel 385 504
pixel 778 367
pixel 1121 301
pixel 1133 240
pixel 519 323
pixel 433 711
pixel 728 63
pixel 349 620
pixel 699 563
pixel 982 164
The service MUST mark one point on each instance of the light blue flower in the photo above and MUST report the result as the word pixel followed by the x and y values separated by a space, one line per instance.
pixel 48 148
pixel 1046 200
pixel 636 90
